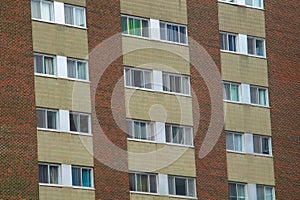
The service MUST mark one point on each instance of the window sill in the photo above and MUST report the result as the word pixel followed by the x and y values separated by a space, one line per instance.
pixel 156 142
pixel 182 197
pixel 243 54
pixel 78 133
pixel 242 5
pixel 152 90
pixel 51 185
pixel 180 145
pixel 236 152
pixel 143 193
pixel 245 153
pixel 83 188
pixel 262 155
pixel 63 78
pixel 140 140
pixel 56 23
pixel 49 130
pixel 249 104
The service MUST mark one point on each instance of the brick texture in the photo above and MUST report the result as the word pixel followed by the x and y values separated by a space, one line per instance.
pixel 282 36
pixel 18 135
pixel 211 170
pixel 103 19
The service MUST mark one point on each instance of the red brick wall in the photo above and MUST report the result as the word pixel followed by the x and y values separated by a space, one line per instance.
pixel 18 139
pixel 204 29
pixel 282 40
pixel 103 19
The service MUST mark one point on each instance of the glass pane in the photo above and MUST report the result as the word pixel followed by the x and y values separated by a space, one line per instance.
pixel 38 64
pixel 54 174
pixel 171 185
pixel 137 78
pixel 43 174
pixel 76 177
pixel 49 65
pixel 250 46
pixel 232 43
pixel 226 91
pixel 73 122
pixel 223 41
pixel 259 48
pixel 256 143
pixel 143 131
pixel 234 92
pixel 41 118
pixel 124 25
pixel 82 70
pixel 172 83
pixel 138 182
pixel 132 182
pixel 84 124
pixel 131 26
pixel 262 96
pixel 241 191
pixel 257 3
pixel 166 83
pixel 127 77
pixel 150 131
pixel 86 178
pixel 46 11
pixel 69 18
pixel 265 146
pixel 268 193
pixel 71 67
pixel 180 185
pixel 153 187
pixel 238 145
pixel 260 192
pixel 191 186
pixel 229 141
pixel 188 136
pixel 186 85
pixel 145 28
pixel 52 119
pixel 232 191
pixel 249 2
pixel 178 84
pixel 163 31
pixel 147 77
pixel 254 95
pixel 181 135
pixel 175 134
pixel 168 133
pixel 182 34
pixel 172 33
pixel 129 128
pixel 35 9
pixel 137 130
pixel 137 27
pixel 144 183
pixel 80 18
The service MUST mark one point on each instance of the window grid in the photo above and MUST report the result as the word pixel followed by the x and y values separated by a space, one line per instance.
pixel 265 192
pixel 254 3
pixel 53 177
pixel 77 69
pixel 80 122
pixel 256 46
pixel 142 130
pixel 173 32
pixel 234 141
pixel 150 186
pixel 179 134
pixel 44 118
pixel 231 91
pixel 176 83
pixel 82 181
pixel 135 26
pixel 42 10
pixel 237 191
pixel 228 41
pixel 262 144
pixel 259 95
pixel 76 15
pixel 44 64
pixel 175 189
pixel 140 78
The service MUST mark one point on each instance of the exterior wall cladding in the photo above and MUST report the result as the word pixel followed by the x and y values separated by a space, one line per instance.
pixel 18 139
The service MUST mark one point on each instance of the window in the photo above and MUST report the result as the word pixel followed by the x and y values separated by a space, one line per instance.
pixel 255 3
pixel 140 78
pixel 75 15
pixel 77 69
pixel 44 64
pixel 47 118
pixel 173 33
pixel 42 9
pixel 262 144
pixel 258 95
pixel 79 122
pixel 231 91
pixel 140 130
pixel 228 42
pixel 234 141
pixel 49 173
pixel 82 177
pixel 176 83
pixel 135 26
pixel 256 46
pixel 264 192
pixel 139 182
pixel 236 191
pixel 179 134
pixel 182 186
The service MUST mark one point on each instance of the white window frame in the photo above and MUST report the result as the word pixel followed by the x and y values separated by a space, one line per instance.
pixel 150 136
pixel 166 32
pixel 187 185
pixel 80 114
pixel 227 42
pixel 266 186
pixel 252 4
pixel 236 184
pixel 257 97
pixel 80 167
pixel 260 145
pixel 52 17
pixel 54 65
pixel 230 84
pixel 75 16
pixel 131 76
pixel 182 82
pixel 148 181
pixel 76 62
pixel 136 18
pixel 46 122
pixel 234 147
pixel 254 45
pixel 58 173
pixel 184 135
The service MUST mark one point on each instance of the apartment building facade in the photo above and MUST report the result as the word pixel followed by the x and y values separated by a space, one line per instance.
pixel 135 99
